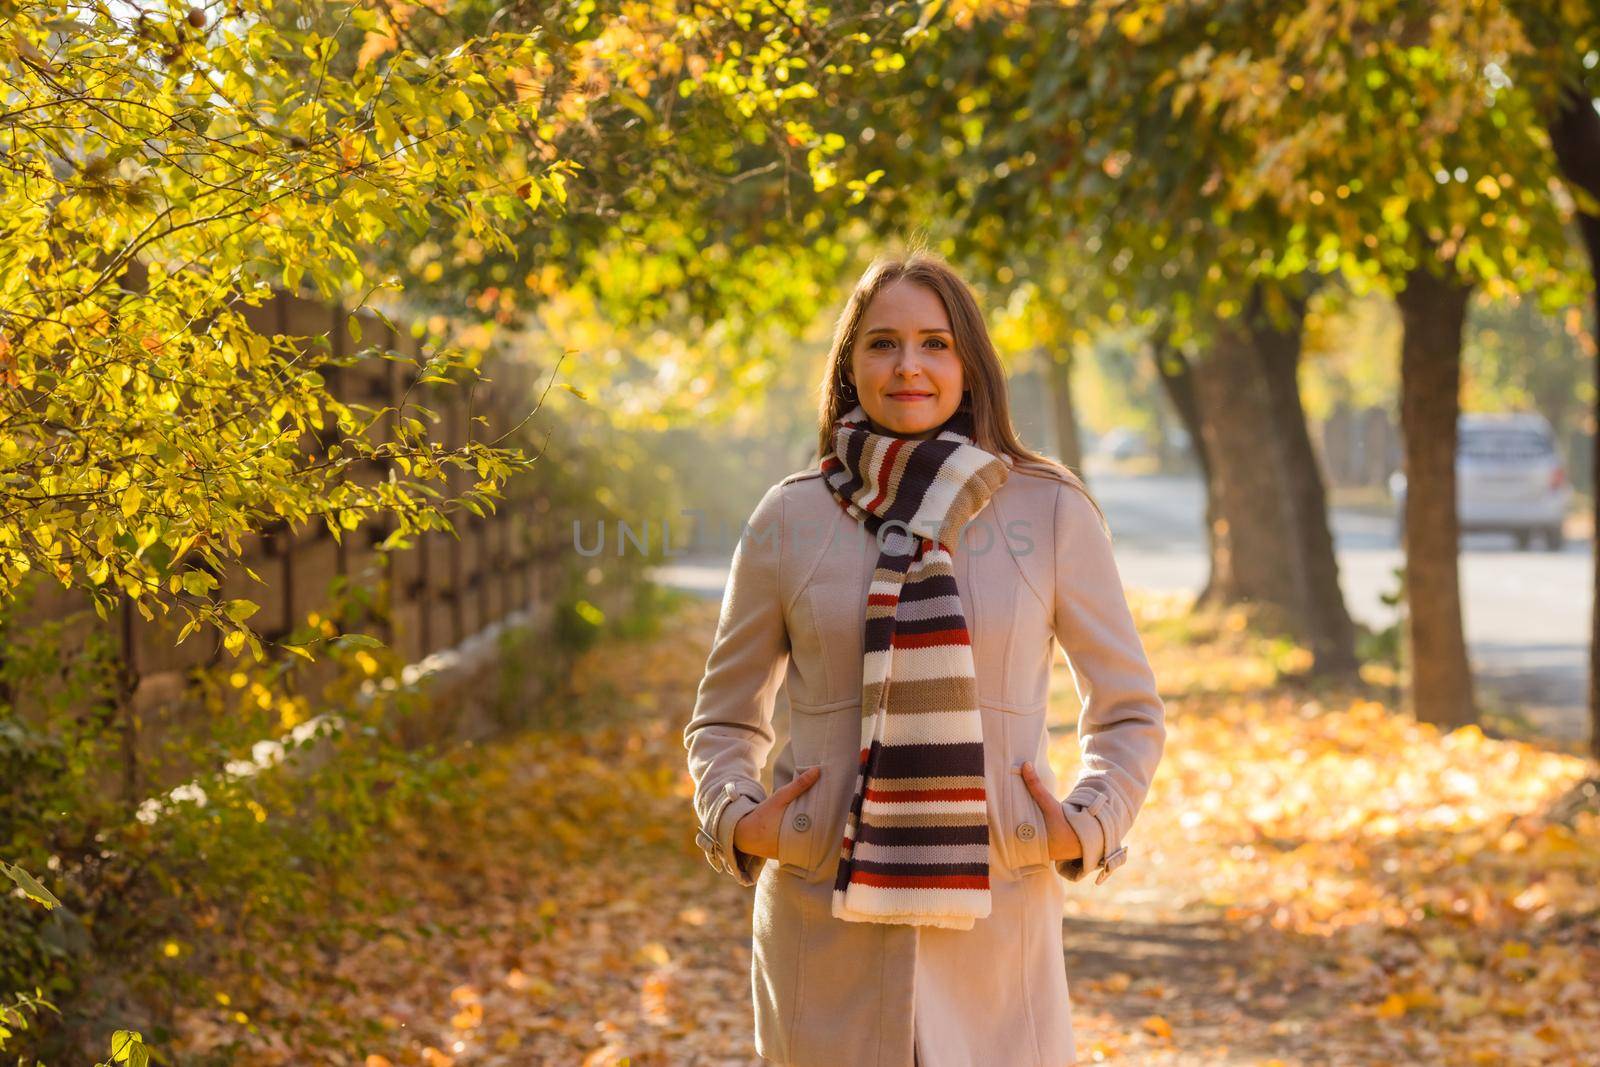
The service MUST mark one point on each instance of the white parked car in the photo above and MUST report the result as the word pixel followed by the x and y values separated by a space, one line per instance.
pixel 1509 478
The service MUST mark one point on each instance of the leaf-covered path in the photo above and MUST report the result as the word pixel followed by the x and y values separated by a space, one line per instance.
pixel 1314 880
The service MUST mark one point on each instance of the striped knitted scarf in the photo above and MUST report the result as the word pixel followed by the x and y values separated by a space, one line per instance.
pixel 916 840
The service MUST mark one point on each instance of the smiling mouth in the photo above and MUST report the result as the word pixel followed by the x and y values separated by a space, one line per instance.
pixel 909 396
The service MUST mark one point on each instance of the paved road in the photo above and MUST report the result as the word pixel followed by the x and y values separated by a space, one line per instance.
pixel 1527 613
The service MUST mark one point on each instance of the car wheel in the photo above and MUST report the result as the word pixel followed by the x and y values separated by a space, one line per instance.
pixel 1524 540
pixel 1554 538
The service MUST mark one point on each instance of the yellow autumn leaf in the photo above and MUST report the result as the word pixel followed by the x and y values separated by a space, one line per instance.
pixel 1117 982
pixel 1422 997
pixel 1443 948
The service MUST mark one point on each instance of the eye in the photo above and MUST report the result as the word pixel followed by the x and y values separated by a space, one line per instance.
pixel 938 341
pixel 881 340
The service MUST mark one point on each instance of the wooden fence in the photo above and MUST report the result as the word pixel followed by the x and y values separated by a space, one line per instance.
pixel 439 592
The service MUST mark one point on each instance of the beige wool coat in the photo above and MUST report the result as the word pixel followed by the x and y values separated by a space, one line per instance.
pixel 1035 569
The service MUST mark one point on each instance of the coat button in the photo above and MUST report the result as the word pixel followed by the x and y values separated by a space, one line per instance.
pixel 1025 831
pixel 802 821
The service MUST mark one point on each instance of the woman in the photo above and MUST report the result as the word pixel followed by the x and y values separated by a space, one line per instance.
pixel 908 590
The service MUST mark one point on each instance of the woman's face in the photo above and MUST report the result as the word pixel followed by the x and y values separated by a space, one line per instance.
pixel 904 366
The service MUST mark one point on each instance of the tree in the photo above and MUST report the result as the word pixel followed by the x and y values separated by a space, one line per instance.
pixel 1575 132
pixel 1570 47
pixel 1049 142
pixel 1398 129
pixel 706 166
pixel 1372 141
pixel 284 148
pixel 164 174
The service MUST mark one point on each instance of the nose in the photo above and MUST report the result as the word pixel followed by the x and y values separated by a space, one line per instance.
pixel 907 366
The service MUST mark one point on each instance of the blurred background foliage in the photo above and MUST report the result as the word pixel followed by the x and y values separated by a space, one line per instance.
pixel 657 207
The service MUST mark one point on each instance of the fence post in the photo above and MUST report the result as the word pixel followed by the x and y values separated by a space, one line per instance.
pixel 127 684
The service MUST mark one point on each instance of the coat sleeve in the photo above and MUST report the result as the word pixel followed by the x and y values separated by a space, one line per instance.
pixel 1121 730
pixel 729 734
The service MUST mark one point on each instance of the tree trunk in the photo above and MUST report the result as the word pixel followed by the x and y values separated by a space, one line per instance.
pixel 1590 224
pixel 1254 553
pixel 1177 379
pixel 1575 134
pixel 1330 631
pixel 1433 310
pixel 1069 443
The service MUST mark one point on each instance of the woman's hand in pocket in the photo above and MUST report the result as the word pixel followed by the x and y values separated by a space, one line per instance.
pixel 756 834
pixel 1064 843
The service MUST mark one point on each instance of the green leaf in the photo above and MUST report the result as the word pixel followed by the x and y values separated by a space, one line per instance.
pixel 634 104
pixel 240 610
pixel 381 317
pixel 30 886
pixel 127 1046
pixel 357 641
pixel 198 583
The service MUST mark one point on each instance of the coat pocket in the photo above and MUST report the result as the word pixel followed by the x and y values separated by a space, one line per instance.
pixel 1019 826
pixel 813 824
pixel 802 833
pixel 1028 842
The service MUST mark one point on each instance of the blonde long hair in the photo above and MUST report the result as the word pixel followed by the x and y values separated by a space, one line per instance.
pixel 980 364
